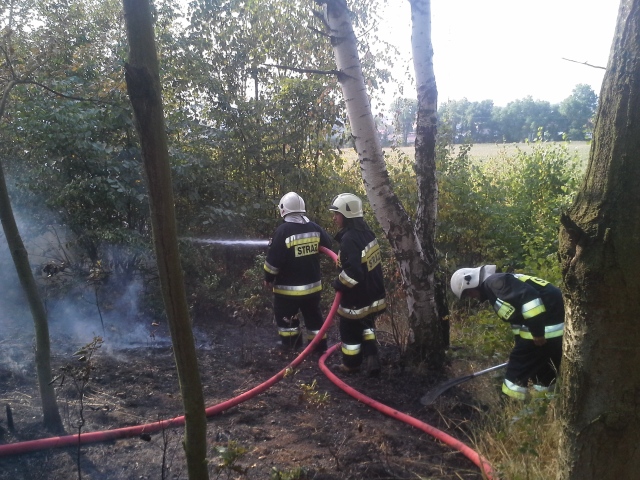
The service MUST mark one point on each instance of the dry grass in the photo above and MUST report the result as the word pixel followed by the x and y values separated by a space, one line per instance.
pixel 520 439
pixel 483 151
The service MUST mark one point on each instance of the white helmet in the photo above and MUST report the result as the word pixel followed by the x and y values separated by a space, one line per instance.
pixel 291 203
pixel 347 204
pixel 467 278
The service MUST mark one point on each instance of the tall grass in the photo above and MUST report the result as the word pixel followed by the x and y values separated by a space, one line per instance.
pixel 520 439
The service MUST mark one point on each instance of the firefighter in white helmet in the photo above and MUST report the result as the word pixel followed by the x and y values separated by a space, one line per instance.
pixel 535 309
pixel 292 271
pixel 361 283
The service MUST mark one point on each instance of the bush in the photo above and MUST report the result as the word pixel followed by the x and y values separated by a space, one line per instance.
pixel 506 210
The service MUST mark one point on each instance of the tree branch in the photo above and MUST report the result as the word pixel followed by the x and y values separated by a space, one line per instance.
pixel 319 32
pixel 303 70
pixel 63 95
pixel 584 63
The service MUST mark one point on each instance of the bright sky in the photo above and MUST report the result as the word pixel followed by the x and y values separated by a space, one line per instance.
pixel 505 50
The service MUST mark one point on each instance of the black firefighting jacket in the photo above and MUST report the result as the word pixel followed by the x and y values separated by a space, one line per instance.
pixel 293 261
pixel 360 280
pixel 533 306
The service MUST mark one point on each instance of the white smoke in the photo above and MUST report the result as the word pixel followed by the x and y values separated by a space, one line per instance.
pixel 84 313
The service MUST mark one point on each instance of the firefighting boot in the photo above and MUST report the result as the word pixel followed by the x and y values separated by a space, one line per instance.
pixel 541 391
pixel 348 370
pixel 538 391
pixel 291 343
pixel 372 365
pixel 514 390
pixel 321 347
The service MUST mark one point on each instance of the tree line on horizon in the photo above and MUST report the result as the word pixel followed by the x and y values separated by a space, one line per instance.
pixel 521 120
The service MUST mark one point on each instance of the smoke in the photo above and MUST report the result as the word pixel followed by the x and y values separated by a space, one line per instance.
pixel 77 311
pixel 105 312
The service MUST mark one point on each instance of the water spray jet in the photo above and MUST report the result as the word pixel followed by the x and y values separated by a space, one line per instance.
pixel 146 429
pixel 239 242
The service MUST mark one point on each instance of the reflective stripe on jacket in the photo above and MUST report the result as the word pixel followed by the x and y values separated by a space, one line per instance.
pixel 293 261
pixel 360 279
pixel 533 306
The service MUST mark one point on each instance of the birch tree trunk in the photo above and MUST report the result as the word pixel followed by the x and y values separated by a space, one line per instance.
pixel 425 164
pixel 417 269
pixel 143 85
pixel 599 248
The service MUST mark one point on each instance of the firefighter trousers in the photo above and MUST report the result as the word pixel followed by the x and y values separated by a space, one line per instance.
pixel 358 339
pixel 285 310
pixel 530 362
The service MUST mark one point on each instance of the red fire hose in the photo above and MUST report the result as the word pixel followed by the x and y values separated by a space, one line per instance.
pixel 472 455
pixel 137 430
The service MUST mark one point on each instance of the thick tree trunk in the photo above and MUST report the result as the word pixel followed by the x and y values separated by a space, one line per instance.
pixel 416 272
pixel 143 84
pixel 51 414
pixel 599 243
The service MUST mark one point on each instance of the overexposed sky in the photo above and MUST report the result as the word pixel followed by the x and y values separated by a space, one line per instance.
pixel 505 50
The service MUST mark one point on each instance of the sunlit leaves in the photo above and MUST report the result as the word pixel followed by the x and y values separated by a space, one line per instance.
pixel 506 210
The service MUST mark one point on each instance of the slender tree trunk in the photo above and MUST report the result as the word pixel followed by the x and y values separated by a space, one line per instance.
pixel 416 271
pixel 51 414
pixel 599 243
pixel 143 84
pixel 435 333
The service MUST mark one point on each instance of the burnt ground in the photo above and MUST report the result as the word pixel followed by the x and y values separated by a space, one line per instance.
pixel 304 427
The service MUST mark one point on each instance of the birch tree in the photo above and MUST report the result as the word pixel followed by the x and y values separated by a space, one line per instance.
pixel 599 242
pixel 413 244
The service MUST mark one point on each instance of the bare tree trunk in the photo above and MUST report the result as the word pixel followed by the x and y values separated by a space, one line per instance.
pixel 50 412
pixel 143 84
pixel 416 270
pixel 599 243
pixel 435 333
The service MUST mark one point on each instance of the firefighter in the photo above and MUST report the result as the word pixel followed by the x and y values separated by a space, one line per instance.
pixel 535 309
pixel 361 283
pixel 292 271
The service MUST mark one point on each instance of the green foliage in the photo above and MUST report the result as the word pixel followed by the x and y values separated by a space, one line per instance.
pixel 253 300
pixel 506 210
pixel 521 119
pixel 469 121
pixel 230 455
pixel 580 109
pixel 402 174
pixel 242 132
pixel 404 111
pixel 312 397
pixel 480 333
pixel 297 473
